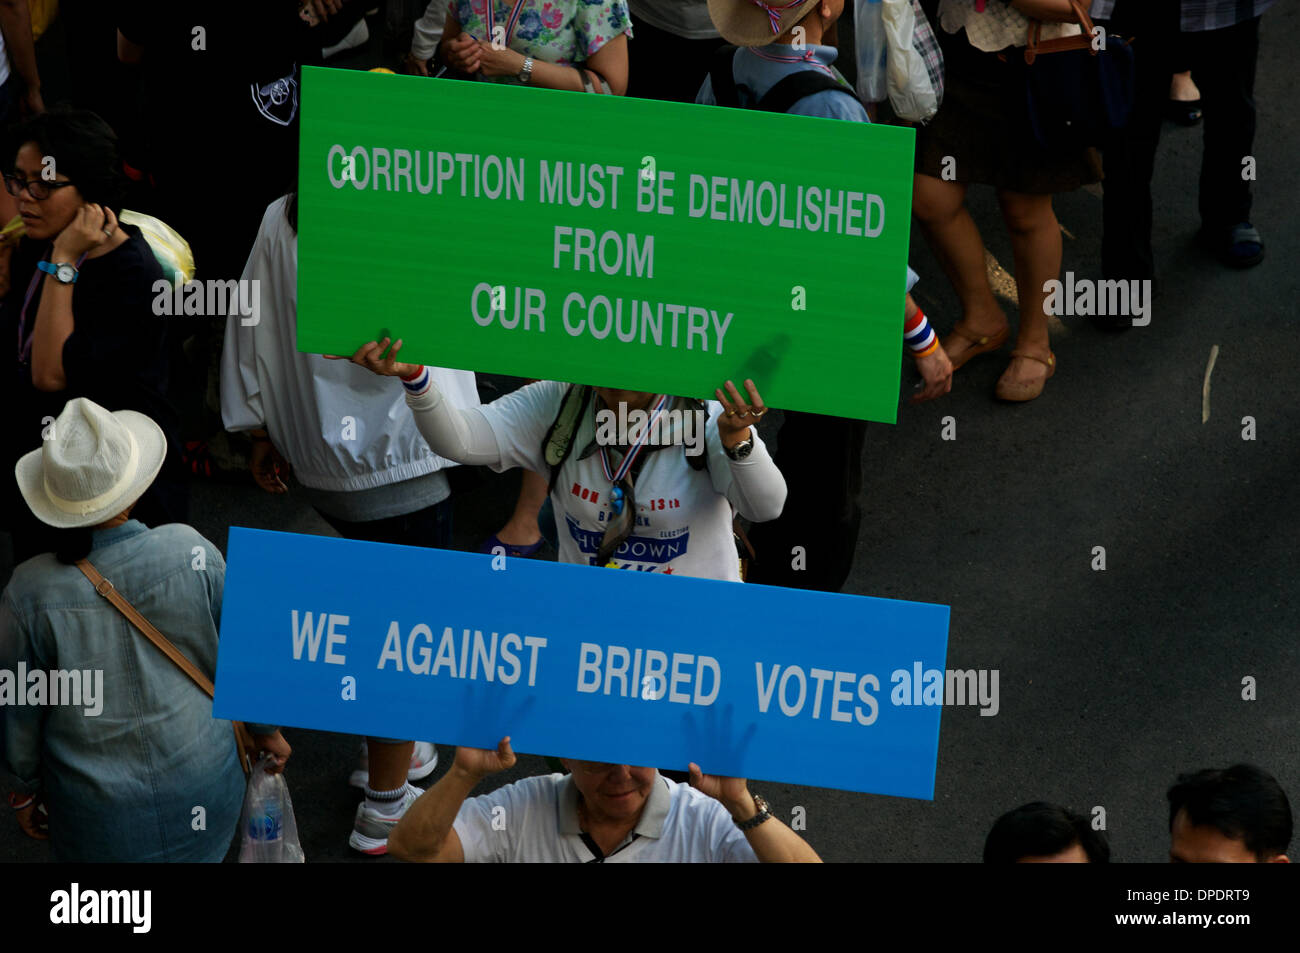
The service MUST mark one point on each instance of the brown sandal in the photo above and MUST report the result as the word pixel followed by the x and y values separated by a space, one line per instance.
pixel 982 345
pixel 1024 392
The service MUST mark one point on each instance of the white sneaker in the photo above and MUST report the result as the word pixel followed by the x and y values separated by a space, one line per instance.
pixel 424 759
pixel 370 829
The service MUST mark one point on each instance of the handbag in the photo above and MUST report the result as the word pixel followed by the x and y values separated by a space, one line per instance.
pixel 1076 94
pixel 243 740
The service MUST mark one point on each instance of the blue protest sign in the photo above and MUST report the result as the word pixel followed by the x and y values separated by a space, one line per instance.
pixel 638 668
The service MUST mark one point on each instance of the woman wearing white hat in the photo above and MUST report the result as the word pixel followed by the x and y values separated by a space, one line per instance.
pixel 122 766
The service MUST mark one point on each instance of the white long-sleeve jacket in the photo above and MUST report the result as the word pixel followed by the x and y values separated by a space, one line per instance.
pixel 339 426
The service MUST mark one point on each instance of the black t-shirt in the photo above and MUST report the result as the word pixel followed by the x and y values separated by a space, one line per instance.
pixel 220 108
pixel 116 354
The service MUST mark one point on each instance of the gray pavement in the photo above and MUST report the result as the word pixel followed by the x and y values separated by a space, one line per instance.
pixel 1111 682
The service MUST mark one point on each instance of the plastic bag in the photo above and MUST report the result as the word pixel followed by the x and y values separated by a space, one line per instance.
pixel 171 250
pixel 270 834
pixel 869 41
pixel 41 14
pixel 912 90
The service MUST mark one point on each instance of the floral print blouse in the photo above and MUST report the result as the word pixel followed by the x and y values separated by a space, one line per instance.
pixel 564 32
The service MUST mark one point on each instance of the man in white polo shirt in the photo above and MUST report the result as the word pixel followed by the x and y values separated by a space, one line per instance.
pixel 599 813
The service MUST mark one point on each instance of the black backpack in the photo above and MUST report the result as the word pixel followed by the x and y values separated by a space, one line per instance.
pixel 780 97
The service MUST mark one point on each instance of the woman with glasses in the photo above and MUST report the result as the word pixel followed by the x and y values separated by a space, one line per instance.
pixel 79 318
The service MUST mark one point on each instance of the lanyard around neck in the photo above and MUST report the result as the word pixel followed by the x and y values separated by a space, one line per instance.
pixel 25 340
pixel 511 23
pixel 634 451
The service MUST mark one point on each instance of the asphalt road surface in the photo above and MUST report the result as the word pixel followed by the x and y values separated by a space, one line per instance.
pixel 1111 682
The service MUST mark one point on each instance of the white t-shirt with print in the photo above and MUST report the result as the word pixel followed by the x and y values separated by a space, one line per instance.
pixel 683 518
pixel 697 829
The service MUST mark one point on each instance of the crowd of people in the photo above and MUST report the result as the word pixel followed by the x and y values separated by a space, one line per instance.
pixel 118 408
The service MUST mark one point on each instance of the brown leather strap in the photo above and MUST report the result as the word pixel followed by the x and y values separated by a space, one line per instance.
pixel 109 592
pixel 1083 41
pixel 243 740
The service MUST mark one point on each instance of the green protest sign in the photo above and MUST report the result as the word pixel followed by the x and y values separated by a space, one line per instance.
pixel 604 240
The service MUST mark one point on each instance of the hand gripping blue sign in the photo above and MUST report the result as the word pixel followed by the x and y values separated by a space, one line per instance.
pixel 634 668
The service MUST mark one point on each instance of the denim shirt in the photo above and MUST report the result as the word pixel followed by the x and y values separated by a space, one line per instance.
pixel 122 785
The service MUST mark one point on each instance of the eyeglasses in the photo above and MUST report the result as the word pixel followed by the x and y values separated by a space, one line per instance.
pixel 37 188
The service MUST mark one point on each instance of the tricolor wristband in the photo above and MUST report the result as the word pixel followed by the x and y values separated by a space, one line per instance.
pixel 919 336
pixel 418 383
pixel 934 346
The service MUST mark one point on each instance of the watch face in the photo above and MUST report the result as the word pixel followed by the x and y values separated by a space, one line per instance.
pixel 65 273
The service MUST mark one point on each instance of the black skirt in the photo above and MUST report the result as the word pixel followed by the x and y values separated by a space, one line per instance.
pixel 981 133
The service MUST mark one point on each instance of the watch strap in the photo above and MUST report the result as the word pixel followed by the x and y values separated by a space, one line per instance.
pixel 52 268
pixel 741 450
pixel 762 815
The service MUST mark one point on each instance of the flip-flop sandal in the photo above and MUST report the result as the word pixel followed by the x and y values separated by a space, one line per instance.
pixel 982 345
pixel 493 541
pixel 1023 392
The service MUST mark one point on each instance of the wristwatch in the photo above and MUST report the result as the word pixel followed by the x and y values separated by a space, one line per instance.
pixel 63 273
pixel 741 450
pixel 762 815
pixel 526 74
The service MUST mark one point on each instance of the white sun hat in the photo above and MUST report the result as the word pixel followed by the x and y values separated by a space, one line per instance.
pixel 92 466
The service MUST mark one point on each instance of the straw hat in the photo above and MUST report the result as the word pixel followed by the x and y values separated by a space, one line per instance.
pixel 94 465
pixel 756 22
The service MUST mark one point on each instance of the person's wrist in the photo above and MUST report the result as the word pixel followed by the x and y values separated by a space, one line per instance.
pixel 62 252
pixel 732 439
pixel 932 348
pixel 465 775
pixel 741 808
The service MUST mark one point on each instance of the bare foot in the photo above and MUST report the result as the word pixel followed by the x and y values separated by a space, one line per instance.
pixel 516 534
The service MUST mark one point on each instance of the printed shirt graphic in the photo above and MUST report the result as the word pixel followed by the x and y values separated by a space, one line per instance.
pixel 564 32
pixel 277 100
pixel 683 518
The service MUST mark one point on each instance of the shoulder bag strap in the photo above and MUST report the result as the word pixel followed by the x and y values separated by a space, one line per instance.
pixel 1081 41
pixel 164 645
pixel 784 94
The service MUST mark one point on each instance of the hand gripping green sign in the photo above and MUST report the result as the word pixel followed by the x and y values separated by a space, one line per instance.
pixel 604 240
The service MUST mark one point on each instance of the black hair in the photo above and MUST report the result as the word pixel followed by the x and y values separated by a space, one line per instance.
pixel 73 544
pixel 1242 803
pixel 84 148
pixel 1040 829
